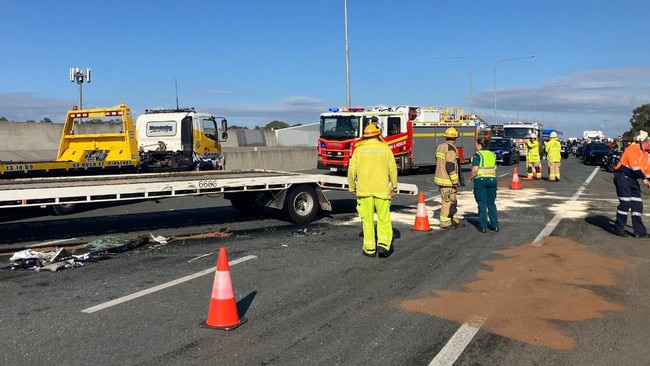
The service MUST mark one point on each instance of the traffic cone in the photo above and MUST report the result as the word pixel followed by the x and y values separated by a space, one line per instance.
pixel 515 180
pixel 223 313
pixel 421 217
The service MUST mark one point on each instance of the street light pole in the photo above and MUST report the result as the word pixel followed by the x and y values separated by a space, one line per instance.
pixel 77 74
pixel 347 57
pixel 495 80
pixel 471 98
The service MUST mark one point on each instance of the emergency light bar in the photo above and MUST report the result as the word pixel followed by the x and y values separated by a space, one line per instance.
pixel 345 109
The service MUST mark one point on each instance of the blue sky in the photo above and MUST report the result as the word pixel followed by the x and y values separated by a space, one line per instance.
pixel 255 61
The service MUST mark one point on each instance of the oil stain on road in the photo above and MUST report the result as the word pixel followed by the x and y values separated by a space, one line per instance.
pixel 529 293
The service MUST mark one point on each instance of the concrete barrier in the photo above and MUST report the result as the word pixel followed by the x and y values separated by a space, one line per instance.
pixel 36 141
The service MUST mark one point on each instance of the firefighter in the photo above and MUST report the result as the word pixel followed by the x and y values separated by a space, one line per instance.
pixel 447 178
pixel 634 165
pixel 533 160
pixel 554 156
pixel 372 175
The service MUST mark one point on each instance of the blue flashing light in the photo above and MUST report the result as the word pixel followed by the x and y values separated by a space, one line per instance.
pixel 333 110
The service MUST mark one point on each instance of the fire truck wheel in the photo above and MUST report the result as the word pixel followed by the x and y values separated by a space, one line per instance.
pixel 301 204
pixel 64 209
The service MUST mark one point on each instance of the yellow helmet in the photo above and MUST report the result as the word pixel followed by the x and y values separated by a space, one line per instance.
pixel 451 133
pixel 371 130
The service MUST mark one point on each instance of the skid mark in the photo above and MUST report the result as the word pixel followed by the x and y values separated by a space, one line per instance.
pixel 529 293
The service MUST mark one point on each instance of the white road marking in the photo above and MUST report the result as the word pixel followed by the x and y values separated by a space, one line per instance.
pixel 459 341
pixel 548 229
pixel 163 286
pixel 456 345
pixel 199 257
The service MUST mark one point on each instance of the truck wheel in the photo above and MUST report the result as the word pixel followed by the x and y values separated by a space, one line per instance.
pixel 64 208
pixel 246 203
pixel 302 204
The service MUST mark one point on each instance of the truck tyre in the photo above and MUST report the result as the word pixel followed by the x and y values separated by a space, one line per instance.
pixel 301 204
pixel 64 208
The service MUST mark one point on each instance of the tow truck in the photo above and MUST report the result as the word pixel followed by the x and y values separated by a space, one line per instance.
pixel 412 132
pixel 171 153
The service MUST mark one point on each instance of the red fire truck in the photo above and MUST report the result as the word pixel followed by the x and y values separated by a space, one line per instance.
pixel 412 133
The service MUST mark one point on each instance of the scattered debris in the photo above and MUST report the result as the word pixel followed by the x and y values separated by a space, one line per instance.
pixel 46 261
pixel 160 239
pixel 116 245
pixel 305 232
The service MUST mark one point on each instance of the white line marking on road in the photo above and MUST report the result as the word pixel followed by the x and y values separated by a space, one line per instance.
pixel 456 345
pixel 51 242
pixel 199 257
pixel 459 341
pixel 548 229
pixel 163 286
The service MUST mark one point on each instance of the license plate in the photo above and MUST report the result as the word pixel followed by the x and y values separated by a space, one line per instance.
pixel 334 170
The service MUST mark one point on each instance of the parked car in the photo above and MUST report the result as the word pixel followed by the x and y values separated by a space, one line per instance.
pixel 565 150
pixel 505 149
pixel 594 153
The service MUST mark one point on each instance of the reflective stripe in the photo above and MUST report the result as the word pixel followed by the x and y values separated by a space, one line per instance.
pixel 487 164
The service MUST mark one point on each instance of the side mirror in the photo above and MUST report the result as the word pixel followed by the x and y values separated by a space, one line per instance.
pixel 224 136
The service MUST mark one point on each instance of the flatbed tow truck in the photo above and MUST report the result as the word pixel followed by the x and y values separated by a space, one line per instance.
pixel 166 153
pixel 299 195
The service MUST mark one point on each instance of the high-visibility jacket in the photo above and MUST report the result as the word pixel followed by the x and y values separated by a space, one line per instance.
pixel 532 151
pixel 446 165
pixel 634 162
pixel 487 165
pixel 372 170
pixel 553 150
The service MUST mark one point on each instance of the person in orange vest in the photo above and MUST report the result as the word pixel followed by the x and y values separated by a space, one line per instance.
pixel 372 175
pixel 447 178
pixel 634 165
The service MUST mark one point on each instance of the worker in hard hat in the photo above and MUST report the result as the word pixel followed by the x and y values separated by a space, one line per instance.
pixel 634 165
pixel 372 175
pixel 447 178
pixel 533 159
pixel 553 150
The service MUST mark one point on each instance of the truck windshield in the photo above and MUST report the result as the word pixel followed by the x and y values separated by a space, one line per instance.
pixel 210 128
pixel 517 132
pixel 340 127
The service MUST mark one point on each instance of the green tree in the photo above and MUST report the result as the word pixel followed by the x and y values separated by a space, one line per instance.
pixel 640 121
pixel 46 120
pixel 4 119
pixel 276 125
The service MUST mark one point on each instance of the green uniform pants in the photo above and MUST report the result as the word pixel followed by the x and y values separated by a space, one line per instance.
pixel 366 207
pixel 485 193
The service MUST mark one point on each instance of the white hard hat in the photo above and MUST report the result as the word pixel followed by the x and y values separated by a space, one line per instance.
pixel 553 134
pixel 642 136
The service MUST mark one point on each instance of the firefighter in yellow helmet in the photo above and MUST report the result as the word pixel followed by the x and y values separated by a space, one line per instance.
pixel 372 175
pixel 553 150
pixel 447 178
pixel 533 158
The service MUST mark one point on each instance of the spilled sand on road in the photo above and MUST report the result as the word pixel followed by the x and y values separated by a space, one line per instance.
pixel 529 293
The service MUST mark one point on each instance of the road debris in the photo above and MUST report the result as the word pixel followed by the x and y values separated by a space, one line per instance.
pixel 53 260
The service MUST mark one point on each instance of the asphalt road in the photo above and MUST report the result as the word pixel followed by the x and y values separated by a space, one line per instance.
pixel 553 287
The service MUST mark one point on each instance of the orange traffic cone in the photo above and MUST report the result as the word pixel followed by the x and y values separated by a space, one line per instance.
pixel 515 180
pixel 421 217
pixel 223 313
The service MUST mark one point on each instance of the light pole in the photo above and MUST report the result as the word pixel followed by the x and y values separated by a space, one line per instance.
pixel 471 98
pixel 77 74
pixel 347 57
pixel 495 80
